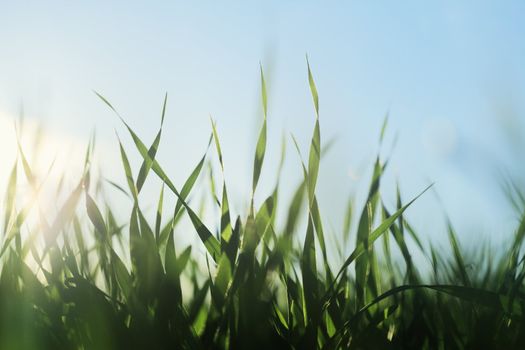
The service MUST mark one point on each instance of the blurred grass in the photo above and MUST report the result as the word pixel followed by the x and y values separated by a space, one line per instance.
pixel 82 280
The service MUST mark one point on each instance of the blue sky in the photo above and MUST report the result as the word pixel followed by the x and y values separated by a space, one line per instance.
pixel 450 73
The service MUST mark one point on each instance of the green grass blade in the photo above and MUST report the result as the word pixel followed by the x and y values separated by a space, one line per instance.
pixel 260 149
pixel 211 243
pixel 158 218
pixel 375 234
pixel 96 218
pixel 313 88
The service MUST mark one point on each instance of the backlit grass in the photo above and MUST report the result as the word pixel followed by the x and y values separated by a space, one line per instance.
pixel 82 280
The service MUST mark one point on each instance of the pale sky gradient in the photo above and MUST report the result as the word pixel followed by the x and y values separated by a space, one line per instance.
pixel 451 74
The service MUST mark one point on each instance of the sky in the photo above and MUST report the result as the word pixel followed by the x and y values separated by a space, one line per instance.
pixel 450 75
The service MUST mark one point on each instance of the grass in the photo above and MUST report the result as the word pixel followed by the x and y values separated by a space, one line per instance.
pixel 82 280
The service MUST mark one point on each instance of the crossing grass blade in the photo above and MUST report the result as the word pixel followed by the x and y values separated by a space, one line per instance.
pixel 375 234
pixel 210 242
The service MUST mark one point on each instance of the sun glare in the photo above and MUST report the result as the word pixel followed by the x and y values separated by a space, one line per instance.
pixel 53 157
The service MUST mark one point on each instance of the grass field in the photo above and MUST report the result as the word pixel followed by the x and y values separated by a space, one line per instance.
pixel 82 280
